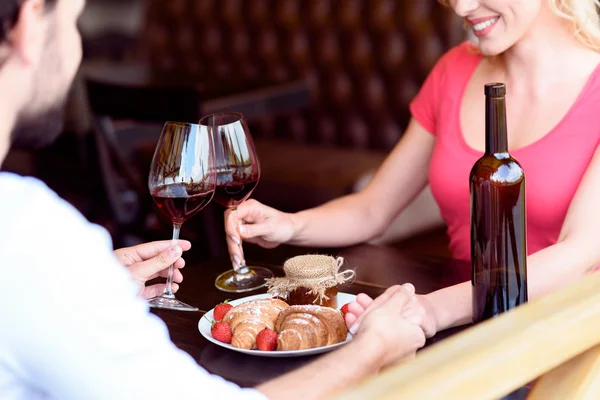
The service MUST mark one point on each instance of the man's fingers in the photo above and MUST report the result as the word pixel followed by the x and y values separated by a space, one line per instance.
pixel 399 299
pixel 146 251
pixel 177 275
pixel 156 290
pixel 156 264
pixel 416 319
pixel 406 289
pixel 414 311
pixel 180 263
pixel 410 288
pixel 379 301
pixel 153 291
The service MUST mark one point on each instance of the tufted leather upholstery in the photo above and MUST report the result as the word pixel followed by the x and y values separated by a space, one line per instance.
pixel 364 59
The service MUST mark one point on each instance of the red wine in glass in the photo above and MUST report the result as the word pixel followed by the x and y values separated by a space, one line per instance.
pixel 180 201
pixel 233 189
pixel 182 182
pixel 238 172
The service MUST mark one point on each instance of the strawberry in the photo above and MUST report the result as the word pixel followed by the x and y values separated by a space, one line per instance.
pixel 221 331
pixel 344 309
pixel 266 340
pixel 221 310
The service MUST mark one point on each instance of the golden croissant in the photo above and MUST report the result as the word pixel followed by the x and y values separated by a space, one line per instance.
pixel 309 326
pixel 248 319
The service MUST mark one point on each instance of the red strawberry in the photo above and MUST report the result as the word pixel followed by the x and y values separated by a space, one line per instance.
pixel 344 309
pixel 266 340
pixel 221 331
pixel 221 310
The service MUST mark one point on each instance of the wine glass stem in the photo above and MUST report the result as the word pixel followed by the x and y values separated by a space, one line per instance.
pixel 168 292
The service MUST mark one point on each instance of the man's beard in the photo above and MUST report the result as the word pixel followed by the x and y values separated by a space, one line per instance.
pixel 41 121
pixel 37 131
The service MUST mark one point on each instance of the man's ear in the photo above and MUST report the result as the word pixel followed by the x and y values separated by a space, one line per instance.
pixel 28 35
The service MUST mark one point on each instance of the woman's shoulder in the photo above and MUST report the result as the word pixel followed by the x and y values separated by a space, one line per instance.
pixel 456 66
pixel 586 104
pixel 466 50
pixel 592 86
pixel 460 58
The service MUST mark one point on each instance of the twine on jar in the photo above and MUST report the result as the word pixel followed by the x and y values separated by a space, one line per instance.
pixel 314 272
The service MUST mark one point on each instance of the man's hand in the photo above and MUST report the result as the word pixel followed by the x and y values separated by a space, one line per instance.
pixel 383 338
pixel 150 260
pixel 383 321
pixel 418 310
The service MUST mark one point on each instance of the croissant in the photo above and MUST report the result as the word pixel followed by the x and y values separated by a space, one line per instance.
pixel 248 319
pixel 309 326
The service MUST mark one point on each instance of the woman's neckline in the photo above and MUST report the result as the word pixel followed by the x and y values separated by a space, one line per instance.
pixel 550 133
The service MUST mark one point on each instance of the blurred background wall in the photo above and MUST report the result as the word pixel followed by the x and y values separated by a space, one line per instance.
pixel 325 84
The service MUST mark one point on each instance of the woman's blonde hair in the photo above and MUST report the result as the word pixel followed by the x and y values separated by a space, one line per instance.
pixel 584 17
pixel 582 14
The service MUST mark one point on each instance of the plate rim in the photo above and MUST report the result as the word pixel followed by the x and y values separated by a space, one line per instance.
pixel 283 353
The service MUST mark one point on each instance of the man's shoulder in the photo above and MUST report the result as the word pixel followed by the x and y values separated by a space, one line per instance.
pixel 12 181
pixel 25 197
pixel 40 232
pixel 29 207
pixel 17 189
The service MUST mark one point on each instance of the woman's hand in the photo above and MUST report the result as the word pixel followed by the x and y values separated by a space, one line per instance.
pixel 150 260
pixel 418 310
pixel 256 223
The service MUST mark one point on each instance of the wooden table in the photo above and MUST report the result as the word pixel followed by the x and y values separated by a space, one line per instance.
pixel 377 267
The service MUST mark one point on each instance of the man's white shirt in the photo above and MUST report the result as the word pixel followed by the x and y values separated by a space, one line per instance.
pixel 71 323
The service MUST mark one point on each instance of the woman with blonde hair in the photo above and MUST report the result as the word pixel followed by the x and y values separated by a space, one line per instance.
pixel 547 54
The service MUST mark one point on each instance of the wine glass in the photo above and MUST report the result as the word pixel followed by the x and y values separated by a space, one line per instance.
pixel 182 182
pixel 238 172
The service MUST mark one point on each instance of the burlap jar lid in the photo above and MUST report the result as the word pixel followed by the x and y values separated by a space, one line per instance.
pixel 312 271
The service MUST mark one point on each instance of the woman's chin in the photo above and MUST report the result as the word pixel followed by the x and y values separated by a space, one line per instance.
pixel 491 48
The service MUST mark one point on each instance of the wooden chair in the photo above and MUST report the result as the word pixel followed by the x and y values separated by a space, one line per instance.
pixel 554 340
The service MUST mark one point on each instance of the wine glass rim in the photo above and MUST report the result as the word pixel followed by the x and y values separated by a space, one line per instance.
pixel 180 123
pixel 235 117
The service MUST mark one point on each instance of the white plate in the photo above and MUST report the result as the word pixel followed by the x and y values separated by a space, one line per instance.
pixel 204 328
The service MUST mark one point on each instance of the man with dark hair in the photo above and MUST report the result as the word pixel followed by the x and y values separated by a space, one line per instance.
pixel 73 324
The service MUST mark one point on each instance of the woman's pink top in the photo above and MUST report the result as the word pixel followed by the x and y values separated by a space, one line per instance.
pixel 554 165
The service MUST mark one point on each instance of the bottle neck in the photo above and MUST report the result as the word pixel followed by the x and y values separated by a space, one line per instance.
pixel 495 125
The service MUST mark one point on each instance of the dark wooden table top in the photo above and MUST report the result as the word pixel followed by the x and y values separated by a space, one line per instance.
pixel 377 267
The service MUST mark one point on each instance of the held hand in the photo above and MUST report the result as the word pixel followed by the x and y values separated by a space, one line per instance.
pixel 384 322
pixel 150 260
pixel 255 223
pixel 418 310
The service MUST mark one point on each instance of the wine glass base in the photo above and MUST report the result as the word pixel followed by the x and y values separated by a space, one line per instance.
pixel 232 282
pixel 170 304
